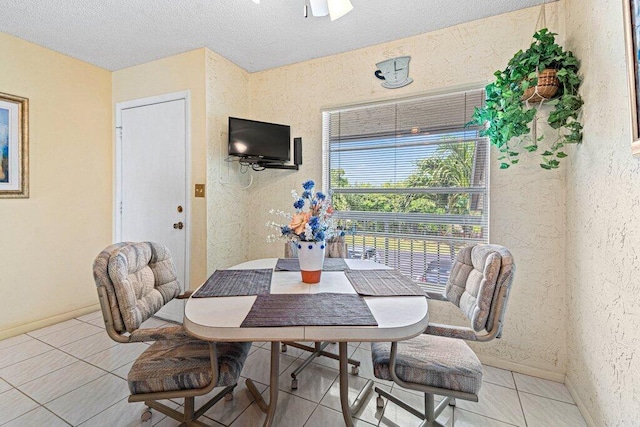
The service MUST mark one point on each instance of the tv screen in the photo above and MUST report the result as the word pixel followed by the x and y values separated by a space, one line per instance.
pixel 259 141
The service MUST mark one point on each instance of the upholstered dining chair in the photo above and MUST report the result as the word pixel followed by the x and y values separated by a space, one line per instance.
pixel 134 281
pixel 336 248
pixel 439 362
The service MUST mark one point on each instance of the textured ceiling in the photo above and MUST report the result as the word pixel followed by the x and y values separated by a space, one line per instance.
pixel 115 34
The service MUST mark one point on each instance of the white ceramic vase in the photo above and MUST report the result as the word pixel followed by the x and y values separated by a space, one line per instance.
pixel 311 258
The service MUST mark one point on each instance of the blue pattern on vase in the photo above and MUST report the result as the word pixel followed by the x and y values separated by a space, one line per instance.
pixel 310 246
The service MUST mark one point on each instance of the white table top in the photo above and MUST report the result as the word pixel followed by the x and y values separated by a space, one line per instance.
pixel 219 318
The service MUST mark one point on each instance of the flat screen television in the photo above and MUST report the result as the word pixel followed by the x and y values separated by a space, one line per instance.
pixel 259 141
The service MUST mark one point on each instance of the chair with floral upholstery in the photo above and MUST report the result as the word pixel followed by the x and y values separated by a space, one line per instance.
pixel 134 281
pixel 439 362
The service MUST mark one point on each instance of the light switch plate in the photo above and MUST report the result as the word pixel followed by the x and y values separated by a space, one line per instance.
pixel 199 190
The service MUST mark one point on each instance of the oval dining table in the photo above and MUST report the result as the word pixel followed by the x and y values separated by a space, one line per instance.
pixel 220 318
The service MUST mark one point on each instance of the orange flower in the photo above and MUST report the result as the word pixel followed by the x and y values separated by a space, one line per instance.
pixel 299 221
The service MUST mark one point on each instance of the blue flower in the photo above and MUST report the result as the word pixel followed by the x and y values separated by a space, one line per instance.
pixel 316 228
pixel 298 204
pixel 314 222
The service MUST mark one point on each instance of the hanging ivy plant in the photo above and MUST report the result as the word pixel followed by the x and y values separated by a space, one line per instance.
pixel 509 118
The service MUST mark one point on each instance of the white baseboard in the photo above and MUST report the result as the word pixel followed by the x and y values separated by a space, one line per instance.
pixel 28 327
pixel 581 406
pixel 521 369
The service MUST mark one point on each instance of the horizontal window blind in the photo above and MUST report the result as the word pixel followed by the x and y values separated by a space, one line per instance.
pixel 409 181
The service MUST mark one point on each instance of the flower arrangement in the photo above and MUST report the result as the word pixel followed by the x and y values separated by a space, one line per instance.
pixel 311 221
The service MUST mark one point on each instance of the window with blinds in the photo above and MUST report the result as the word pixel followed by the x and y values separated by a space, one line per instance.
pixel 409 181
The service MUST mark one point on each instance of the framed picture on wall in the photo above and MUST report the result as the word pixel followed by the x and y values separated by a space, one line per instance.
pixel 14 146
pixel 632 39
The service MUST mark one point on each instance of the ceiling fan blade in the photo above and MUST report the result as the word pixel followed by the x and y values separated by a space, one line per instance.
pixel 339 8
pixel 319 7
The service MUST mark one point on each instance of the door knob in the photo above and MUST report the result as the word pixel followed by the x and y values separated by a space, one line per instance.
pixel 178 225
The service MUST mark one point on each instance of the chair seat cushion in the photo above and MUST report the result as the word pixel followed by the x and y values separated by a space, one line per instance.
pixel 429 360
pixel 184 364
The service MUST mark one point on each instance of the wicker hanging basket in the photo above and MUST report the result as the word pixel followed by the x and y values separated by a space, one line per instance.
pixel 548 85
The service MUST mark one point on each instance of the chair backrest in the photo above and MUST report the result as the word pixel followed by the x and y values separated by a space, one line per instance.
pixel 479 284
pixel 336 248
pixel 139 278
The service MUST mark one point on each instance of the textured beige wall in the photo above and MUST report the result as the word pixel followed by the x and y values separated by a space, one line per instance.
pixel 603 236
pixel 173 74
pixel 48 241
pixel 227 220
pixel 528 206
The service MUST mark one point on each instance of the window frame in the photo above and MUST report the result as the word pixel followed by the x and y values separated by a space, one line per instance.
pixel 434 218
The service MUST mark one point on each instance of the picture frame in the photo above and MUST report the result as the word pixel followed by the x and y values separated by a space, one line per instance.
pixel 632 41
pixel 14 146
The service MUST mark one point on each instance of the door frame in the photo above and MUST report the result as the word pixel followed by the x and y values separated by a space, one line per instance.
pixel 117 167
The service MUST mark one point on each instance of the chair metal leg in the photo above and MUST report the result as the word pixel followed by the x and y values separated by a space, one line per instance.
pixel 189 405
pixel 431 412
pixel 224 394
pixel 175 414
pixel 444 403
pixel 400 403
pixel 316 351
pixel 429 407
pixel 319 348
pixel 354 362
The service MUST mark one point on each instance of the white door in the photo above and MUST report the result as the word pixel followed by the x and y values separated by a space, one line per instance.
pixel 151 182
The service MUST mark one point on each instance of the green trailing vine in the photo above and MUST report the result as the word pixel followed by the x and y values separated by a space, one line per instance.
pixel 509 119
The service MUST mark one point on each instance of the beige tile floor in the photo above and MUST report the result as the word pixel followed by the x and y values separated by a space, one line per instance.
pixel 71 373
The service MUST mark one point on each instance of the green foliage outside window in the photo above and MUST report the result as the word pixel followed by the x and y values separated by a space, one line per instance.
pixel 450 167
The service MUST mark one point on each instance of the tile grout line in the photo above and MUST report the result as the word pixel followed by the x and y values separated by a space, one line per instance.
pixel 524 416
pixel 487 417
pixel 502 421
pixel 30 398
pixel 546 397
pixel 38 355
pixel 58 348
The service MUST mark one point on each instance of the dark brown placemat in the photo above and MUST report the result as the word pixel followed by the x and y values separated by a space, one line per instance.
pixel 325 309
pixel 233 283
pixel 382 283
pixel 292 264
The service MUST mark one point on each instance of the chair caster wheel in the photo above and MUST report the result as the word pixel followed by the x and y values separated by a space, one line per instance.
pixel 355 370
pixel 146 415
pixel 379 402
pixel 228 397
pixel 283 348
pixel 294 384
